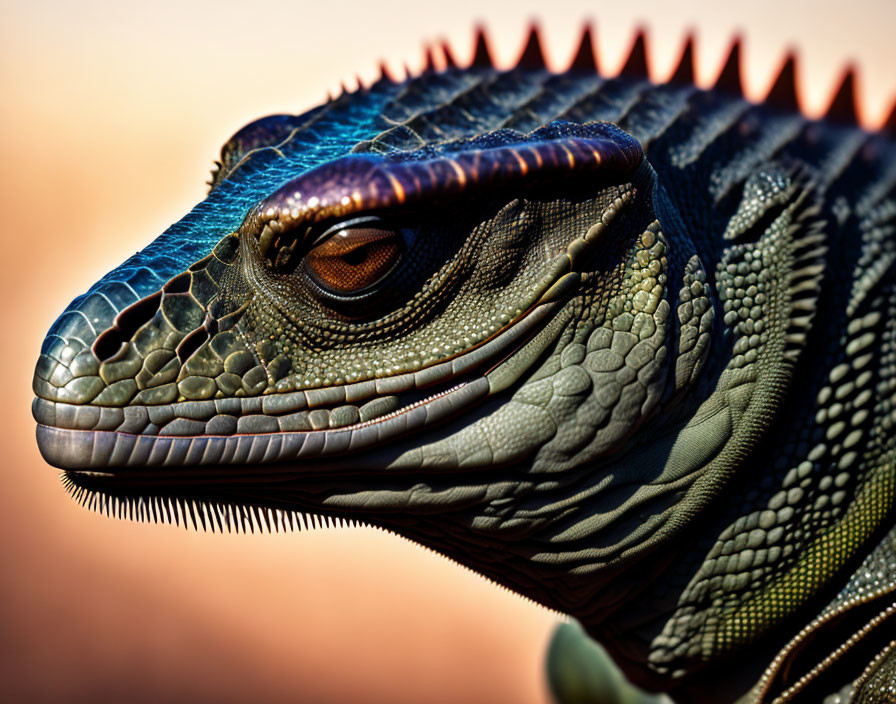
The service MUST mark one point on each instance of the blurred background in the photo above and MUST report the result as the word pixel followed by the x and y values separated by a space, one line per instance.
pixel 111 116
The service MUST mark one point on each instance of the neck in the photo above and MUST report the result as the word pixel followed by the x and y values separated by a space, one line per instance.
pixel 785 539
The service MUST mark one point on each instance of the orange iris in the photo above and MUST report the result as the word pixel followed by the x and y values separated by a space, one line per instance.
pixel 355 258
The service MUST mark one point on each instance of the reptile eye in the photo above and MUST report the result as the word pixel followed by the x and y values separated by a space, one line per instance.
pixel 355 258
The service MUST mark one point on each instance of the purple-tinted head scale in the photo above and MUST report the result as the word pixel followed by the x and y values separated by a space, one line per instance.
pixel 361 183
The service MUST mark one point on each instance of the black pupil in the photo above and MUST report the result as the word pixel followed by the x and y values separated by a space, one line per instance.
pixel 356 257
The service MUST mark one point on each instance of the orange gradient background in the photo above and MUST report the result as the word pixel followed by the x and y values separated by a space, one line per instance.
pixel 111 116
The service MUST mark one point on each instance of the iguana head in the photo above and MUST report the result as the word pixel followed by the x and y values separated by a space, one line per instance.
pixel 479 343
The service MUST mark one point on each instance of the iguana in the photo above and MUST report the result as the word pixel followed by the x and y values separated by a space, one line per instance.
pixel 628 349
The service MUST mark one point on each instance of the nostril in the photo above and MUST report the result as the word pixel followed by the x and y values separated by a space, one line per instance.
pixel 191 343
pixel 107 344
pixel 179 284
pixel 128 322
pixel 132 318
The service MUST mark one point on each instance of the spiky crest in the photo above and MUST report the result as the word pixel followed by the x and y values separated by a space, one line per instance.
pixel 384 73
pixel 889 125
pixel 783 93
pixel 843 105
pixel 636 64
pixel 585 59
pixel 447 54
pixel 684 72
pixel 729 79
pixel 532 57
pixel 481 56
pixel 429 63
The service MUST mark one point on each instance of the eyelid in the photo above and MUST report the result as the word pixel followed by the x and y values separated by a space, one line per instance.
pixel 336 228
pixel 348 240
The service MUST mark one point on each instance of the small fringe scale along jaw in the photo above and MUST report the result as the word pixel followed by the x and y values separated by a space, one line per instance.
pixel 245 358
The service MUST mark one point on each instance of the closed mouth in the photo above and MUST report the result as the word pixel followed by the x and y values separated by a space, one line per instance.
pixel 277 428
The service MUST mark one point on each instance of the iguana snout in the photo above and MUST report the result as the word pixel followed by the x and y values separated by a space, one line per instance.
pixel 369 296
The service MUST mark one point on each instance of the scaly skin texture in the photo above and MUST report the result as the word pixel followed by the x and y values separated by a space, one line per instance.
pixel 627 349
